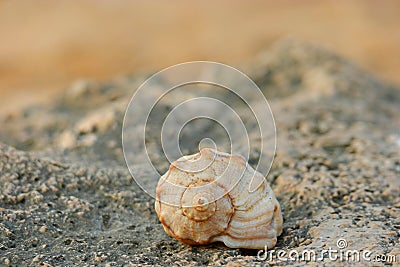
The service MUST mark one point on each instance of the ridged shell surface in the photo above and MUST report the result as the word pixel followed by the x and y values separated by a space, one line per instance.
pixel 214 196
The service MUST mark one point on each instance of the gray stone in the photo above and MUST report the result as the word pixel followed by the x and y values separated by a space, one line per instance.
pixel 67 198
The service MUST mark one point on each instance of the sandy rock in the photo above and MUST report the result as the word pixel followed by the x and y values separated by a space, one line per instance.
pixel 336 171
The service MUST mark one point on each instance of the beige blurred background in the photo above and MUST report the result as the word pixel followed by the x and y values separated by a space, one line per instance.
pixel 46 45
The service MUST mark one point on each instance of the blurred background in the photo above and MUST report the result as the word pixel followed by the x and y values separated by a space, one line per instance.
pixel 46 45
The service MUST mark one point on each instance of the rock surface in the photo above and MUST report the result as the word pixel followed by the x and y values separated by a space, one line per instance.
pixel 67 198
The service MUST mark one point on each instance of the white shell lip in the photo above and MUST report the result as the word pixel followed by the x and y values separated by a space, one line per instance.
pixel 239 217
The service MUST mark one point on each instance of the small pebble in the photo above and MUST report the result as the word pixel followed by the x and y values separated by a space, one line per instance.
pixel 43 229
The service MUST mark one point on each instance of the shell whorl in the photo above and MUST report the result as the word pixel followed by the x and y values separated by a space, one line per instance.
pixel 198 206
pixel 218 203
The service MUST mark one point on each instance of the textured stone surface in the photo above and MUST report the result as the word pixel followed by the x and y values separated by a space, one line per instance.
pixel 66 196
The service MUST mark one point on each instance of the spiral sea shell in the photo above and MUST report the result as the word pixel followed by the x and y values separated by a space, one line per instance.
pixel 214 196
